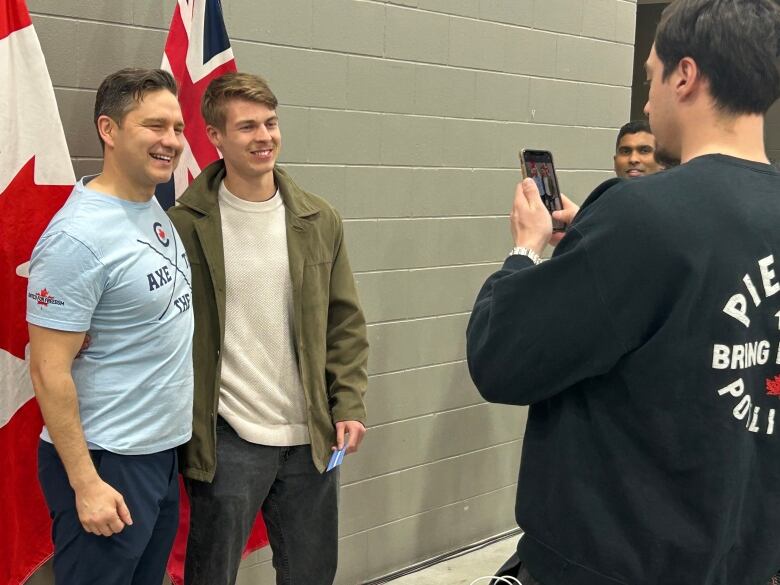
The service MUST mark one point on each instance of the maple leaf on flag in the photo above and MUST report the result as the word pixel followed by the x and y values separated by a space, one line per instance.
pixel 25 210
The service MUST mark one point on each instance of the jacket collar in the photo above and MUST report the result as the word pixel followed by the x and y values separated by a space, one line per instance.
pixel 201 196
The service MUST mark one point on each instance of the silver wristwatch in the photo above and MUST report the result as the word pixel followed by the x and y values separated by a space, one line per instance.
pixel 527 252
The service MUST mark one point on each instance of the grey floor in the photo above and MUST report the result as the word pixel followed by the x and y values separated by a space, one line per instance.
pixel 465 570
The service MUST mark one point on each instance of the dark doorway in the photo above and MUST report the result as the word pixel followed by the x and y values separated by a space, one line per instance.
pixel 647 17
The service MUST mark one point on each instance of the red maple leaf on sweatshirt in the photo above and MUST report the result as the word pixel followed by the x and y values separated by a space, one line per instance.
pixel 773 386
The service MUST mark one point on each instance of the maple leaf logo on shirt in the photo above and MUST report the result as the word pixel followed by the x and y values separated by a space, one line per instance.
pixel 773 386
pixel 42 296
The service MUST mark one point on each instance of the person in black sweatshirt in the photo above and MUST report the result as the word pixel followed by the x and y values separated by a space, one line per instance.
pixel 652 449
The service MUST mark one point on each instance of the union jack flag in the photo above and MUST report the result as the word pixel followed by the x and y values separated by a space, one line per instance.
pixel 197 51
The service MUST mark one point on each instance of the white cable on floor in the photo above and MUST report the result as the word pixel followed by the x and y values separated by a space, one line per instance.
pixel 514 580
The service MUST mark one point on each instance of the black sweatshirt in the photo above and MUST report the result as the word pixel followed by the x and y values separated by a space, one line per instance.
pixel 648 348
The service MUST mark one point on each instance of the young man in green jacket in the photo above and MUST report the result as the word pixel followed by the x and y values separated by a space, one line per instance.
pixel 280 350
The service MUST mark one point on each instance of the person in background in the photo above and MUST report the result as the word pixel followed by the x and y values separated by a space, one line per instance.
pixel 635 151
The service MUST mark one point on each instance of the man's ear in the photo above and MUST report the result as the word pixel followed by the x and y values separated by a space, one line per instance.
pixel 688 78
pixel 106 128
pixel 215 136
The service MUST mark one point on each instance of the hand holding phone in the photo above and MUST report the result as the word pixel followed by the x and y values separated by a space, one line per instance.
pixel 529 221
pixel 566 215
pixel 538 165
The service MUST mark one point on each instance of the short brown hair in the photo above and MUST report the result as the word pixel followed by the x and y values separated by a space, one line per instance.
pixel 735 44
pixel 234 86
pixel 120 92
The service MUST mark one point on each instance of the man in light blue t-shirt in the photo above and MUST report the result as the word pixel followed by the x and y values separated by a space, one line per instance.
pixel 111 266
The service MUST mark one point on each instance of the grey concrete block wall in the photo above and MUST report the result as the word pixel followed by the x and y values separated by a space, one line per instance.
pixel 408 116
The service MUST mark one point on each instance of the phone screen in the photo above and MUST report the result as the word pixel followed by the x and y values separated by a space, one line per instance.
pixel 538 165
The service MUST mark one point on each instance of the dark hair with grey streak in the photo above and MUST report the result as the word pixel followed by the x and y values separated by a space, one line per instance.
pixel 735 44
pixel 120 92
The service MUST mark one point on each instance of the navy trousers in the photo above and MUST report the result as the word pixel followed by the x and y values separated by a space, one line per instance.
pixel 139 553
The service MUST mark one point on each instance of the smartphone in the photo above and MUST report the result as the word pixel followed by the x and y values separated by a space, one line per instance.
pixel 538 165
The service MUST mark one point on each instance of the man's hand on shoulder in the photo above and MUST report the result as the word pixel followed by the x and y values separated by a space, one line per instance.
pixel 101 509
pixel 354 429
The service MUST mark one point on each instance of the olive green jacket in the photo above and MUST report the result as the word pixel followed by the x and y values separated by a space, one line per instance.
pixel 328 325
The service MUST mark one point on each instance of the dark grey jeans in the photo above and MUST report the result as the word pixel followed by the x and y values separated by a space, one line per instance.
pixel 299 504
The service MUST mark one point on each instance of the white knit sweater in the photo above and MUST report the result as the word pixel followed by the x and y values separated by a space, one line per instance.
pixel 261 394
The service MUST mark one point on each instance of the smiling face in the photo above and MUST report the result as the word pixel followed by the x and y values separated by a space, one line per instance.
pixel 146 144
pixel 249 142
pixel 635 156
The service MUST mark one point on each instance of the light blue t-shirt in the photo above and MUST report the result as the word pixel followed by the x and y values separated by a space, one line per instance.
pixel 117 270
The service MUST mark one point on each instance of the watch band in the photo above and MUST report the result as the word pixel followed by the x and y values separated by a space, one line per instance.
pixel 527 252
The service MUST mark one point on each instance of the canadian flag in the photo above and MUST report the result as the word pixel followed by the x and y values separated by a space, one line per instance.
pixel 36 176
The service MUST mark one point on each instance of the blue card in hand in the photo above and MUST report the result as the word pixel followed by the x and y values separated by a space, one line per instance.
pixel 337 458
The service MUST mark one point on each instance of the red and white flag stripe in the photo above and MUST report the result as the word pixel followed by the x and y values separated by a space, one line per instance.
pixel 36 177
